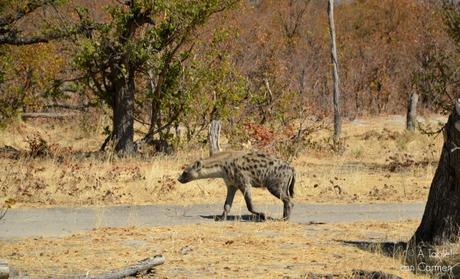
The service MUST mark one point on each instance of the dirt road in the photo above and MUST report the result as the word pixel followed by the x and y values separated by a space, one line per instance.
pixel 21 223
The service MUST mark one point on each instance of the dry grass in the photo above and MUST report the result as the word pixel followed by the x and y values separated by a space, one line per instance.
pixel 381 163
pixel 220 250
pixel 445 255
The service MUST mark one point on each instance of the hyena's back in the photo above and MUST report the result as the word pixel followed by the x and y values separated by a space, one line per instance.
pixel 262 170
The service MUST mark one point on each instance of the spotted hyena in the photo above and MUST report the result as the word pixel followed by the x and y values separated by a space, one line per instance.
pixel 243 170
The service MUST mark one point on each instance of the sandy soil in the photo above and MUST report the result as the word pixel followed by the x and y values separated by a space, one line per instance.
pixel 216 250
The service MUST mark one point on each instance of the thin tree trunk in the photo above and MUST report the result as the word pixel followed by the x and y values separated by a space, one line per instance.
pixel 123 116
pixel 411 120
pixel 213 137
pixel 155 106
pixel 155 117
pixel 214 133
pixel 441 219
pixel 335 74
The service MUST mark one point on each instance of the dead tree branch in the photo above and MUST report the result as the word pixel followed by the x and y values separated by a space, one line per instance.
pixel 3 212
pixel 132 270
pixel 53 115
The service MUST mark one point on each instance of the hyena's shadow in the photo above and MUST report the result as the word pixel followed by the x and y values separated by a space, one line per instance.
pixel 240 218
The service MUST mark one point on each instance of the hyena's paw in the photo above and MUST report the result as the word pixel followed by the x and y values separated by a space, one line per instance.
pixel 220 218
pixel 260 217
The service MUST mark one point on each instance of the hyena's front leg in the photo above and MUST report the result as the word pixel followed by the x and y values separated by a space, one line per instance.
pixel 246 189
pixel 231 190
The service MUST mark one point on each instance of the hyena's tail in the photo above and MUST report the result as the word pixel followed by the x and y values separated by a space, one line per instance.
pixel 291 185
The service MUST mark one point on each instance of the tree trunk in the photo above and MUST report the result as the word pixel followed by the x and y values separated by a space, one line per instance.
pixel 411 120
pixel 213 137
pixel 335 73
pixel 123 115
pixel 155 106
pixel 441 219
pixel 155 119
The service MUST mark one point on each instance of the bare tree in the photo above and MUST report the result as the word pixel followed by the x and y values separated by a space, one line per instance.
pixel 293 21
pixel 214 133
pixel 335 73
pixel 411 120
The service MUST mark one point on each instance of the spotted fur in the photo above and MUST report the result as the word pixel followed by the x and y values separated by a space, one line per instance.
pixel 243 170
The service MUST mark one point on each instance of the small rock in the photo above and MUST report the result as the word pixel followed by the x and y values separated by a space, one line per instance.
pixel 185 250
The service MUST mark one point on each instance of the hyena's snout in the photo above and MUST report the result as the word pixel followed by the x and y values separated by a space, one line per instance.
pixel 185 177
pixel 182 178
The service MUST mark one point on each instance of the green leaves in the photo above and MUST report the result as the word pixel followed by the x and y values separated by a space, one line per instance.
pixel 212 82
pixel 153 37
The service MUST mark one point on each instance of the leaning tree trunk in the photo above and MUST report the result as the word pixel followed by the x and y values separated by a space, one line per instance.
pixel 123 115
pixel 411 119
pixel 441 219
pixel 335 73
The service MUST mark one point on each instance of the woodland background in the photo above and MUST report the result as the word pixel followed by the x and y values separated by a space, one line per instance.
pixel 262 65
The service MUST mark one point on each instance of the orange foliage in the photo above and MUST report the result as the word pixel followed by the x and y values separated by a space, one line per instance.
pixel 380 45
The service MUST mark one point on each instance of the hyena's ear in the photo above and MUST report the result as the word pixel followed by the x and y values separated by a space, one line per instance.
pixel 198 165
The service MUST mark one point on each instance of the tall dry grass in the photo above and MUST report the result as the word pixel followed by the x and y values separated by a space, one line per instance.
pixel 381 163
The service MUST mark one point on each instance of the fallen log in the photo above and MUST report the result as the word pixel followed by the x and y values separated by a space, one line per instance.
pixel 312 275
pixel 68 106
pixel 53 115
pixel 132 270
pixel 9 152
pixel 4 270
pixel 365 274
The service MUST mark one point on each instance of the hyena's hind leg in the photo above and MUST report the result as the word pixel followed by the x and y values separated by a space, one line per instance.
pixel 289 194
pixel 281 191
pixel 287 207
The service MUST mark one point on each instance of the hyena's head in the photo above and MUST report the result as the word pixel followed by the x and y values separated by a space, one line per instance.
pixel 191 172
